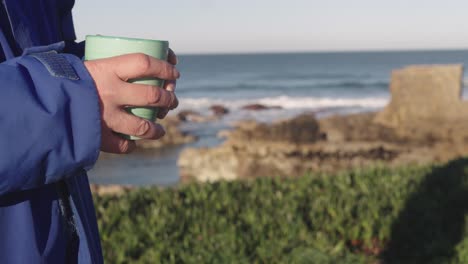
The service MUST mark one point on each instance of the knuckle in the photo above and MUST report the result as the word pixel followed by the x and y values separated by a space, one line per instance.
pixel 168 71
pixel 171 70
pixel 163 100
pixel 153 95
pixel 143 62
pixel 141 128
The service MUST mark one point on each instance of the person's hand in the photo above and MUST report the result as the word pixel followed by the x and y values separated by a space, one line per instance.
pixel 169 85
pixel 110 76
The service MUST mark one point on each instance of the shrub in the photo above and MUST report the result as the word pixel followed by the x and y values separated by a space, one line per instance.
pixel 405 215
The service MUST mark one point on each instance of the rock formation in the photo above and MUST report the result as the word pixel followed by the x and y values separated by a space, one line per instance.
pixel 219 110
pixel 303 129
pixel 258 107
pixel 424 94
pixel 426 121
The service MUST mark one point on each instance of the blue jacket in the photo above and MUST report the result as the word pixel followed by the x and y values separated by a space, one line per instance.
pixel 49 136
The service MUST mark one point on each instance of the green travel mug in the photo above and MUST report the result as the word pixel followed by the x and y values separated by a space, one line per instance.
pixel 100 47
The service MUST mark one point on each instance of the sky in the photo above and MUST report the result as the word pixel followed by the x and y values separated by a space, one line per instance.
pixel 249 26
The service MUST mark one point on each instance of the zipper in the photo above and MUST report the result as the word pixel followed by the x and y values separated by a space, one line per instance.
pixel 69 222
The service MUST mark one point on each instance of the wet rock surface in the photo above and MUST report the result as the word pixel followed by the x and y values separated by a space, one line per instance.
pixel 259 107
pixel 219 110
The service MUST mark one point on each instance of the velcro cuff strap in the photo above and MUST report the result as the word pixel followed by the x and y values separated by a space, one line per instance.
pixel 56 64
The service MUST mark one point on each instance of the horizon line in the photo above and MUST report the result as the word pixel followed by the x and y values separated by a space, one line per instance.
pixel 318 51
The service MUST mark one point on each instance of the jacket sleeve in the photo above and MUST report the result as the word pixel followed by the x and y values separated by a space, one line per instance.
pixel 49 119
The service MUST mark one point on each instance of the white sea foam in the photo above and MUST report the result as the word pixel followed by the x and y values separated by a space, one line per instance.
pixel 311 102
pixel 287 102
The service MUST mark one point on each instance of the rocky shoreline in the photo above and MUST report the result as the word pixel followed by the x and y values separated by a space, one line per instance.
pixel 425 122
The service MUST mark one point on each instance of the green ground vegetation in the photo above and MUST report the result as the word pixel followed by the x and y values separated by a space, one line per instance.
pixel 379 215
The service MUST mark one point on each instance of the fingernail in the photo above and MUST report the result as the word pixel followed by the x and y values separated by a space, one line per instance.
pixel 170 87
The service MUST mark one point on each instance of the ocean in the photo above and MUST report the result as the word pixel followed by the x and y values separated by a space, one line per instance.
pixel 323 83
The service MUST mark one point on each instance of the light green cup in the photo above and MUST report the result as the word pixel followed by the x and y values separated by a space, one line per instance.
pixel 99 47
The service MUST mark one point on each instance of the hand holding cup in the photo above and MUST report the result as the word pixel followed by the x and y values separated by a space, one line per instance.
pixel 117 95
